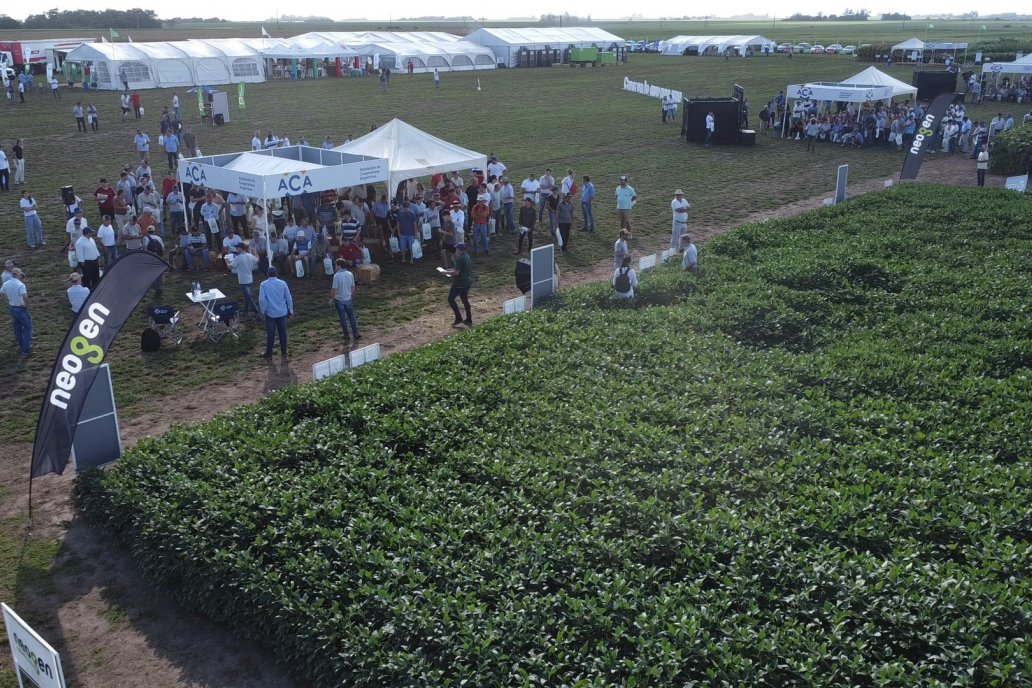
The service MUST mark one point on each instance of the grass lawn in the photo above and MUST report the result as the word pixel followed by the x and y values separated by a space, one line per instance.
pixel 532 119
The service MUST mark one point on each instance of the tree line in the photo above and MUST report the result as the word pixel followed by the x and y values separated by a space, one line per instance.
pixel 135 18
pixel 848 15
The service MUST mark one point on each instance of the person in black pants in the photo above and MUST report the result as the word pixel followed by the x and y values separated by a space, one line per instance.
pixel 528 216
pixel 463 275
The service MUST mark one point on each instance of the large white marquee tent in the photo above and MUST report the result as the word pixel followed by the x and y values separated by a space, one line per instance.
pixel 684 45
pixel 427 50
pixel 876 77
pixel 412 153
pixel 507 43
pixel 171 64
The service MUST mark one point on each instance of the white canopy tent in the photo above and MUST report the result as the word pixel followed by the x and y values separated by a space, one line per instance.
pixel 306 47
pixel 715 45
pixel 1022 66
pixel 278 172
pixel 169 64
pixel 427 50
pixel 876 77
pixel 505 44
pixel 851 91
pixel 412 153
pixel 916 48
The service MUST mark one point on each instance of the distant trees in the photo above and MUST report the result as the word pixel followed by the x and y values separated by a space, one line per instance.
pixel 9 22
pixel 135 18
pixel 847 15
pixel 564 19
pixel 895 16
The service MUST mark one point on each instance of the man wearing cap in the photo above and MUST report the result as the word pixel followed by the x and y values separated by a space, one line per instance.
pixel 75 226
pixel 463 274
pixel 276 305
pixel 679 208
pixel 625 200
pixel 77 294
pixel 88 256
pixel 18 304
pixel 480 216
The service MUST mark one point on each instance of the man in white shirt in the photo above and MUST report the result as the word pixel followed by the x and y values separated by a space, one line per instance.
pixel 6 275
pixel 230 243
pixel 75 225
pixel 711 127
pixel 342 294
pixel 690 260
pixel 109 240
pixel 530 187
pixel 495 168
pixel 33 227
pixel 256 142
pixel 18 298
pixel 568 184
pixel 679 209
pixel 175 105
pixel 5 171
pixel 77 294
pixel 88 255
pixel 237 211
pixel 126 106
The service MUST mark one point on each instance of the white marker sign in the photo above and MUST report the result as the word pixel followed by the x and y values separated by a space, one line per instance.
pixel 38 664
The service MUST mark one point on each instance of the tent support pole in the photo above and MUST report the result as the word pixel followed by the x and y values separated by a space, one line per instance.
pixel 268 219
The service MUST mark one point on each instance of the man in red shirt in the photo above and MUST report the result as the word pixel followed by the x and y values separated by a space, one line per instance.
pixel 105 196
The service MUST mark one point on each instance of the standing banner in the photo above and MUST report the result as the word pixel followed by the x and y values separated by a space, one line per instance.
pixel 200 99
pixel 108 307
pixel 924 135
pixel 240 96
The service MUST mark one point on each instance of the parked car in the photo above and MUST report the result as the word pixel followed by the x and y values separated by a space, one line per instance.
pixel 833 49
pixel 802 47
pixel 817 50
pixel 784 48
pixel 849 50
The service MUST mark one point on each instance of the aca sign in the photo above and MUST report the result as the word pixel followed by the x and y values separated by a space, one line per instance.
pixel 295 184
pixel 195 174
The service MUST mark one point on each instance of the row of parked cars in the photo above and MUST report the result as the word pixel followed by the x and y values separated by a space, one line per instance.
pixel 816 49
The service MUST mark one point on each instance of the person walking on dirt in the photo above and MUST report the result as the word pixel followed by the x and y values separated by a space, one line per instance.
pixel 462 273
pixel 982 165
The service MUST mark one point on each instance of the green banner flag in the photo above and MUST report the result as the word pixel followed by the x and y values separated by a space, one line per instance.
pixel 114 34
pixel 200 99
pixel 983 28
pixel 240 96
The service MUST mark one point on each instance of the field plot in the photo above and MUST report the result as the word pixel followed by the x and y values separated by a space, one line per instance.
pixel 808 465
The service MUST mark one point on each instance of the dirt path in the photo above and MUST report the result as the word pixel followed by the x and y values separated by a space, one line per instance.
pixel 113 628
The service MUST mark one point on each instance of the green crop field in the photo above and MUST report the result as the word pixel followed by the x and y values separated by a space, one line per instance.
pixel 806 466
pixel 531 118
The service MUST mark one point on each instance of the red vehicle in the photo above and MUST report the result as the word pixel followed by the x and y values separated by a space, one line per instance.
pixel 16 54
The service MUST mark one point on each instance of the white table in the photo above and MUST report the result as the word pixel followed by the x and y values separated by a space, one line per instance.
pixel 206 299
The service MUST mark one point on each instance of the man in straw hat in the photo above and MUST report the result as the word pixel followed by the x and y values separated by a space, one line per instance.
pixel 679 208
pixel 77 294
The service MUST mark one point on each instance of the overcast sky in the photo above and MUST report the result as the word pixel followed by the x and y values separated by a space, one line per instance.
pixel 260 10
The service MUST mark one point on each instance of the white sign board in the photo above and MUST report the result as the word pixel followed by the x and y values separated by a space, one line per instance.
pixel 38 665
pixel 366 354
pixel 329 367
pixel 1019 184
pixel 850 93
pixel 647 262
pixel 517 305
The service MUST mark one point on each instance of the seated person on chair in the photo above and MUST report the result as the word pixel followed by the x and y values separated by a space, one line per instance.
pixel 196 250
pixel 350 229
pixel 280 253
pixel 327 219
pixel 303 251
pixel 320 248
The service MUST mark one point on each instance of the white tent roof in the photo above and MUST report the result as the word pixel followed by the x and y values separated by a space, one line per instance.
pixel 1022 66
pixel 678 44
pixel 306 47
pixel 844 92
pixel 553 36
pixel 288 171
pixel 912 44
pixel 413 153
pixel 361 37
pixel 874 77
pixel 426 49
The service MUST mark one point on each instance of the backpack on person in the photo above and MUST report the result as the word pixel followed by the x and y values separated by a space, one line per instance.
pixel 155 247
pixel 150 340
pixel 623 281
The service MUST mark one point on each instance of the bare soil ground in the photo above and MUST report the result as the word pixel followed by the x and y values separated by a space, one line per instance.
pixel 113 628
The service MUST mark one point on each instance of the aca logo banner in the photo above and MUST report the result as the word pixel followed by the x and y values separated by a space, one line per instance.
pixel 195 174
pixel 295 184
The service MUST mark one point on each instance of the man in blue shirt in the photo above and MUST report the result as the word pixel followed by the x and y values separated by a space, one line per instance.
pixel 587 196
pixel 142 143
pixel 276 304
pixel 172 149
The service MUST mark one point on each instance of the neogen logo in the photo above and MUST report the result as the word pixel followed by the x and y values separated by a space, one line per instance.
pixel 82 347
pixel 924 132
pixel 41 667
